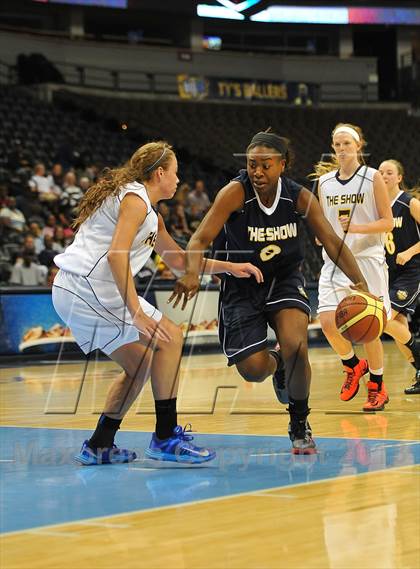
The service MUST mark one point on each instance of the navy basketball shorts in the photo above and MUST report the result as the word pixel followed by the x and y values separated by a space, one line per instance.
pixel 404 290
pixel 244 312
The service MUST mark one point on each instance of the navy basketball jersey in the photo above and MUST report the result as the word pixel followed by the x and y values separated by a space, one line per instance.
pixel 405 234
pixel 267 237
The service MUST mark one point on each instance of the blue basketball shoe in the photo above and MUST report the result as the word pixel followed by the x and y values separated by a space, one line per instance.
pixel 178 448
pixel 89 457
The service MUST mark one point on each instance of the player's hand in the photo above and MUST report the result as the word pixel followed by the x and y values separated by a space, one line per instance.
pixel 245 271
pixel 361 287
pixel 185 288
pixel 402 258
pixel 150 328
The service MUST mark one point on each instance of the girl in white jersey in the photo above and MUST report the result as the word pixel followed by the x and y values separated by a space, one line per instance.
pixel 94 293
pixel 356 203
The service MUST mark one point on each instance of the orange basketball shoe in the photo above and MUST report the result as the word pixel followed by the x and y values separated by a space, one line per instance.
pixel 377 399
pixel 353 375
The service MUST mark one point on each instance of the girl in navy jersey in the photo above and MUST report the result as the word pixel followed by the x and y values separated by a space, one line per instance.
pixel 94 293
pixel 255 218
pixel 355 201
pixel 402 249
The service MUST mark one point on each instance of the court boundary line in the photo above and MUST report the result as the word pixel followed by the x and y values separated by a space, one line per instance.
pixel 207 500
pixel 198 433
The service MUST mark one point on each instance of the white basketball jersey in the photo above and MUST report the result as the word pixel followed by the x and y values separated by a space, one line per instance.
pixel 354 198
pixel 87 255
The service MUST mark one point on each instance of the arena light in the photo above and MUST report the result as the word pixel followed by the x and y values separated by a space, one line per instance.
pixel 302 15
pixel 206 11
pixel 238 7
pixel 338 15
pixel 404 16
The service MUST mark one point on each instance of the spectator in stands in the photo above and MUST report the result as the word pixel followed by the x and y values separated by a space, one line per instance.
pixel 44 185
pixel 46 257
pixel 36 233
pixel 28 248
pixel 178 225
pixel 50 225
pixel 27 273
pixel 91 171
pixel 59 241
pixel 165 212
pixel 194 217
pixel 16 219
pixel 32 208
pixel 198 197
pixel 57 174
pixel 84 183
pixel 66 225
pixel 71 194
pixel 182 193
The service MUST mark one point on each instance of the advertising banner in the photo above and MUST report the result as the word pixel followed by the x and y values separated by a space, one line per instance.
pixel 195 87
pixel 29 324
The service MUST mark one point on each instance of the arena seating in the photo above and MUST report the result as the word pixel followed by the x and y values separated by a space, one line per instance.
pixel 213 133
pixel 79 130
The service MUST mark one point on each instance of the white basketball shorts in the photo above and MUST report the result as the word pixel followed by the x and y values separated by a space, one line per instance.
pixel 333 284
pixel 95 312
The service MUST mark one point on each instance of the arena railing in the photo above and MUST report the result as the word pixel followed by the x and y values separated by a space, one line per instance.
pixel 144 83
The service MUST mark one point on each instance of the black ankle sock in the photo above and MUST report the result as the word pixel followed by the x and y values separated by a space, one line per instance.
pixel 352 362
pixel 415 351
pixel 166 417
pixel 376 379
pixel 298 408
pixel 104 434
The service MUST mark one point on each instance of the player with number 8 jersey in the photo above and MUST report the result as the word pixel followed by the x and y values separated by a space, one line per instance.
pixel 402 248
pixel 255 217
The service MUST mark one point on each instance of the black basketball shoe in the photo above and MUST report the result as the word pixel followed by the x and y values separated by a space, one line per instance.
pixel 300 434
pixel 415 388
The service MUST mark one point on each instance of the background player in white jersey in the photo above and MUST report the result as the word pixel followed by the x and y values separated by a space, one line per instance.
pixel 402 248
pixel 356 203
pixel 95 294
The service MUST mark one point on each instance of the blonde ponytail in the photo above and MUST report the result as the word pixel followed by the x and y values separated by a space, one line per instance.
pixel 139 168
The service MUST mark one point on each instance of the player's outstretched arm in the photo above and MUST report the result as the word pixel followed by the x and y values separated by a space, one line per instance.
pixel 337 250
pixel 175 258
pixel 404 256
pixel 229 199
pixel 415 209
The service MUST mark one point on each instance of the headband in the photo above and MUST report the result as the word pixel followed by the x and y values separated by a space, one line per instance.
pixel 270 139
pixel 155 163
pixel 348 130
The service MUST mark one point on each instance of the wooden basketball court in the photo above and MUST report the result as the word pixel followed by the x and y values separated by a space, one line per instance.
pixel 354 504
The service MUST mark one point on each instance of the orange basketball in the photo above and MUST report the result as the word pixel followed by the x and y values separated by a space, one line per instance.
pixel 360 317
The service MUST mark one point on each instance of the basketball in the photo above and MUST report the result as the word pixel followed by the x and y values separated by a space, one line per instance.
pixel 360 318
